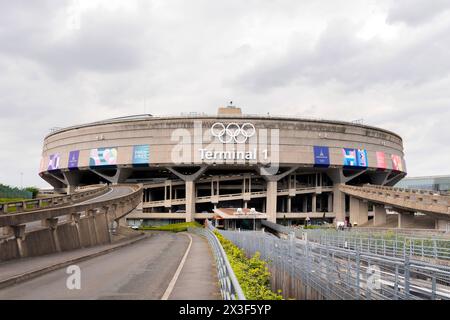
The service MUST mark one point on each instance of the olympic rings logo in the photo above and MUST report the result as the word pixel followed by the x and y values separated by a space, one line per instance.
pixel 233 132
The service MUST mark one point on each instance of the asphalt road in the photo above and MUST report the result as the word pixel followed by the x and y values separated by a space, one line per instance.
pixel 115 191
pixel 140 271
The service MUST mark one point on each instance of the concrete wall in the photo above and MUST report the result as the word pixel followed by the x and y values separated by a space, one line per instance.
pixel 40 242
pixel 297 137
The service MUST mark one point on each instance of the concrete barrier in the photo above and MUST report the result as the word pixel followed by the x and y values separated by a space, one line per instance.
pixel 83 225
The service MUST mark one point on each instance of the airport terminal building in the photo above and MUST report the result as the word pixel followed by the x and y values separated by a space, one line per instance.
pixel 231 167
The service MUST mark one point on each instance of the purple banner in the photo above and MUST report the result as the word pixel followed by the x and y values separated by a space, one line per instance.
pixel 73 159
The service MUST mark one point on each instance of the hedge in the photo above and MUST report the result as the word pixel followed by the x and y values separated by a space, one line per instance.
pixel 252 273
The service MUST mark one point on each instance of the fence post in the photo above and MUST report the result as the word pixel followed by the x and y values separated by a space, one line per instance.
pixel 357 261
pixel 407 276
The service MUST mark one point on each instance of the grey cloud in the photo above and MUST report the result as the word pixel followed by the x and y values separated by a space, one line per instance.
pixel 105 42
pixel 416 12
pixel 340 56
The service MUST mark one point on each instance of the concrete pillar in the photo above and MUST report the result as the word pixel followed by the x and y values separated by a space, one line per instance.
pixel 363 212
pixel 405 219
pixel 338 204
pixel 330 202
pixel 354 210
pixel 19 234
pixel 52 224
pixel 106 211
pixel 271 201
pixel 190 200
pixel 379 215
pixel 76 220
pixel 70 189
pixel 289 204
pixel 441 224
pixel 91 213
pixel 359 211
pixel 314 203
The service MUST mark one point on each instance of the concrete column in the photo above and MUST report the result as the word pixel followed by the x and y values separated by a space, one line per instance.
pixel 330 202
pixel 105 212
pixel 358 211
pixel 354 210
pixel 441 224
pixel 190 200
pixel 289 204
pixel 405 219
pixel 379 217
pixel 19 234
pixel 271 200
pixel 338 203
pixel 52 224
pixel 314 203
pixel 91 213
pixel 363 212
pixel 76 220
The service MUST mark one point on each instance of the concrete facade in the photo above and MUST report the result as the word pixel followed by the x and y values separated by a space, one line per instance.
pixel 187 186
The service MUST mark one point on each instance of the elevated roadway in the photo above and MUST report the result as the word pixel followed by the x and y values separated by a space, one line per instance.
pixel 405 201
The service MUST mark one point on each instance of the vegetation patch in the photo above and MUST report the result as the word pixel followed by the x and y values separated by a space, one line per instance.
pixel 175 227
pixel 252 273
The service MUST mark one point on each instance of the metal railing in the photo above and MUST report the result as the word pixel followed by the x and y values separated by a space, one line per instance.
pixel 390 244
pixel 229 285
pixel 51 202
pixel 382 243
pixel 303 269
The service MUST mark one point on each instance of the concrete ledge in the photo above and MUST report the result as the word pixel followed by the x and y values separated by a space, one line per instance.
pixel 38 272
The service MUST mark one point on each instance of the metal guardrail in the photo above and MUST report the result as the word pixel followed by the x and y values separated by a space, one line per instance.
pixel 317 271
pixel 390 244
pixel 51 202
pixel 69 208
pixel 229 285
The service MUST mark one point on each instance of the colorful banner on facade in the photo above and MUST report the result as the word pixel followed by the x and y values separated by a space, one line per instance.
pixel 381 160
pixel 362 158
pixel 103 157
pixel 53 162
pixel 73 159
pixel 350 157
pixel 397 163
pixel 321 156
pixel 141 154
pixel 355 157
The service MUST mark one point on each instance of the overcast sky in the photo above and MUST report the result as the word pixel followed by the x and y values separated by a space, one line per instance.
pixel 70 62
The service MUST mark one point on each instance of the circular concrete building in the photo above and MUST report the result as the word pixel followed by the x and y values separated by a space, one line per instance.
pixel 235 168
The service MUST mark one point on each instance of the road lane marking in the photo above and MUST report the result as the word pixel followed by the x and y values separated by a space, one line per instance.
pixel 177 273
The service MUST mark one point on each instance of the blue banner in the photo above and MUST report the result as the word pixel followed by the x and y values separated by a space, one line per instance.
pixel 321 156
pixel 355 157
pixel 141 154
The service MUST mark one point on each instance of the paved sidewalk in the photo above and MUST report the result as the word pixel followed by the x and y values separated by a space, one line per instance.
pixel 198 278
pixel 25 267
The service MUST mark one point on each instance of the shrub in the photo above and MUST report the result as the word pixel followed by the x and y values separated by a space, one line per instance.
pixel 174 227
pixel 252 273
